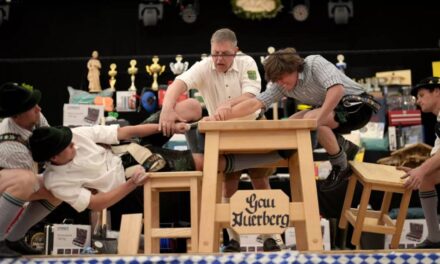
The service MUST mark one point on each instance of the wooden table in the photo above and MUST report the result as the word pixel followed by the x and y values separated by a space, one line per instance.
pixel 255 137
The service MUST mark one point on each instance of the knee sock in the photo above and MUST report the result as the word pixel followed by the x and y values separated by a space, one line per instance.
pixel 9 208
pixel 231 233
pixel 238 162
pixel 339 159
pixel 34 213
pixel 429 201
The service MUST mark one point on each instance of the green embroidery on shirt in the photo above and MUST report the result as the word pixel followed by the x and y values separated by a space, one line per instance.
pixel 252 75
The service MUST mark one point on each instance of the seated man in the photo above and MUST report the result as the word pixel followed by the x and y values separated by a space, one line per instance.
pixel 77 165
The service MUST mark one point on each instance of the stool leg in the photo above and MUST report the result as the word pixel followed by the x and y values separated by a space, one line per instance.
pixel 385 206
pixel 148 217
pixel 406 197
pixel 155 221
pixel 357 230
pixel 347 201
pixel 194 207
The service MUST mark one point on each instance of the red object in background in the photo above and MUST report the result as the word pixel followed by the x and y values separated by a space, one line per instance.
pixel 161 95
pixel 404 117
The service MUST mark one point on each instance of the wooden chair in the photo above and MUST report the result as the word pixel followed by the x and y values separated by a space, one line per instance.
pixel 170 182
pixel 380 178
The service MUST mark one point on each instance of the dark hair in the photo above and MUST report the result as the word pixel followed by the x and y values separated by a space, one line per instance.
pixel 281 62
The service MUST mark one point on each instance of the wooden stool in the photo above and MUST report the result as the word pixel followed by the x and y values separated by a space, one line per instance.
pixel 170 182
pixel 380 178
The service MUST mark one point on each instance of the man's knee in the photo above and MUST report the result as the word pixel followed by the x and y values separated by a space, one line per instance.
pixel 19 182
pixel 189 109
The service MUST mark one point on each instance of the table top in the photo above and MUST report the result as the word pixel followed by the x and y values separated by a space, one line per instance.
pixel 377 173
pixel 239 125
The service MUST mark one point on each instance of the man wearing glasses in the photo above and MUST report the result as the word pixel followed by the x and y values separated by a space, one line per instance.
pixel 224 79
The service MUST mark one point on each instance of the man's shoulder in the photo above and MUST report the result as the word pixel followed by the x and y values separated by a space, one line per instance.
pixel 313 58
pixel 244 58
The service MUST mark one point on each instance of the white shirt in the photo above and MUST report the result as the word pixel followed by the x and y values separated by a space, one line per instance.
pixel 93 167
pixel 437 140
pixel 218 87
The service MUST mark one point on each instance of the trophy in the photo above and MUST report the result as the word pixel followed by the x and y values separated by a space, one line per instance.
pixel 341 65
pixel 94 66
pixel 132 71
pixel 155 69
pixel 178 67
pixel 112 73
pixel 270 50
pixel 203 55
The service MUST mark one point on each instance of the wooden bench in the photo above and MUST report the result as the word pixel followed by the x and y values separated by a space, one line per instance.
pixel 379 178
pixel 170 182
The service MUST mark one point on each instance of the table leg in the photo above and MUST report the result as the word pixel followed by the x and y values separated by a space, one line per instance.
pixel 302 173
pixel 209 194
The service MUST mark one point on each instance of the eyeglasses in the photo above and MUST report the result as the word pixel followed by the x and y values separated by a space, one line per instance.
pixel 223 54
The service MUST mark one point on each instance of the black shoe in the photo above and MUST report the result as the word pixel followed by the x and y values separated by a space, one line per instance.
pixel 233 246
pixel 22 247
pixel 335 179
pixel 428 244
pixel 270 245
pixel 349 147
pixel 6 252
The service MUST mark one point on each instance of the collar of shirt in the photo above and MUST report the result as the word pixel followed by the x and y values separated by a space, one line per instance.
pixel 234 66
pixel 15 128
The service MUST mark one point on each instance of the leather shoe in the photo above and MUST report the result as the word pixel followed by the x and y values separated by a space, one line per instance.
pixel 6 252
pixel 22 247
pixel 270 245
pixel 336 179
pixel 428 244
pixel 233 246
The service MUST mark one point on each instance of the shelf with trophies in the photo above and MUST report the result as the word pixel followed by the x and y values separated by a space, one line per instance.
pixel 404 119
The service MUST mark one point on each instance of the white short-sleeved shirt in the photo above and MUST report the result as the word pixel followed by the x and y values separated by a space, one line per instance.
pixel 94 167
pixel 218 87
pixel 437 140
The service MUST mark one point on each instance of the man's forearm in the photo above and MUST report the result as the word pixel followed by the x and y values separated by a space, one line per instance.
pixel 173 92
pixel 244 108
pixel 128 132
pixel 101 201
pixel 241 98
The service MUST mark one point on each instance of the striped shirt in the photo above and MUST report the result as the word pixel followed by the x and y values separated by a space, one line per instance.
pixel 15 155
pixel 318 75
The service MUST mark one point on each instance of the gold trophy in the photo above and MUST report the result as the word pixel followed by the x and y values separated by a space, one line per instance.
pixel 155 69
pixel 112 73
pixel 132 71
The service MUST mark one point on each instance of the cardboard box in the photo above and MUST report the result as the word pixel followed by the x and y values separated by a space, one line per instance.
pixel 82 115
pixel 65 239
pixel 414 232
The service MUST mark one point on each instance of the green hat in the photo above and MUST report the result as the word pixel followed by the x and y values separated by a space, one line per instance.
pixel 16 99
pixel 428 83
pixel 47 142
